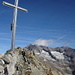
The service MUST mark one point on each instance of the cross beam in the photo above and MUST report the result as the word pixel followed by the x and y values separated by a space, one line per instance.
pixel 15 6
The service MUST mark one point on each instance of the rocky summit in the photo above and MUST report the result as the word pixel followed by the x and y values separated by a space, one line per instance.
pixel 38 60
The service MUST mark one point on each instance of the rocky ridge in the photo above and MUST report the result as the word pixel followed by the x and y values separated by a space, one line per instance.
pixel 23 62
pixel 38 60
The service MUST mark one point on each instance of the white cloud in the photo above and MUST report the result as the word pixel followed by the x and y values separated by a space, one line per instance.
pixel 44 42
pixel 50 43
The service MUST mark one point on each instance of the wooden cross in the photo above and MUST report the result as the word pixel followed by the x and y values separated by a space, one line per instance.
pixel 16 7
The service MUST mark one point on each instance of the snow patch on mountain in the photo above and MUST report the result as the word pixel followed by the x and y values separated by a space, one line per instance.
pixel 45 55
pixel 58 55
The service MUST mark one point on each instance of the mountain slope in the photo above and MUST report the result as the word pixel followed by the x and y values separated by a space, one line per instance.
pixel 61 58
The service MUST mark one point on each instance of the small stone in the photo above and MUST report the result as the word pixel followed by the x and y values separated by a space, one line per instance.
pixel 2 62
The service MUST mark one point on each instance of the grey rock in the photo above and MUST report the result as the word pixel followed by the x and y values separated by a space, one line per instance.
pixel 2 62
pixel 1 69
pixel 11 68
pixel 7 58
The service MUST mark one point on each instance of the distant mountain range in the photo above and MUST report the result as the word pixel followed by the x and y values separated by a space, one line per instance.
pixel 61 58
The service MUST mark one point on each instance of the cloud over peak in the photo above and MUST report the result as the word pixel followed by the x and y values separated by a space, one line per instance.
pixel 44 42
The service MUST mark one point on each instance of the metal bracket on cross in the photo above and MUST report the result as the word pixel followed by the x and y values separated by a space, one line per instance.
pixel 15 6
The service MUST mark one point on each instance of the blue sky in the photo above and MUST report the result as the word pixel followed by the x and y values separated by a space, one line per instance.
pixel 48 22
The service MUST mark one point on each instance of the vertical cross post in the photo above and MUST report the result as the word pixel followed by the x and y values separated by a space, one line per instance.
pixel 14 26
pixel 14 20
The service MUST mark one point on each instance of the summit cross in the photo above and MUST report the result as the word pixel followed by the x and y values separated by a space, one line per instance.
pixel 16 7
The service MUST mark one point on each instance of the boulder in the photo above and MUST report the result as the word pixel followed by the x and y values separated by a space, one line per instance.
pixel 7 58
pixel 10 68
